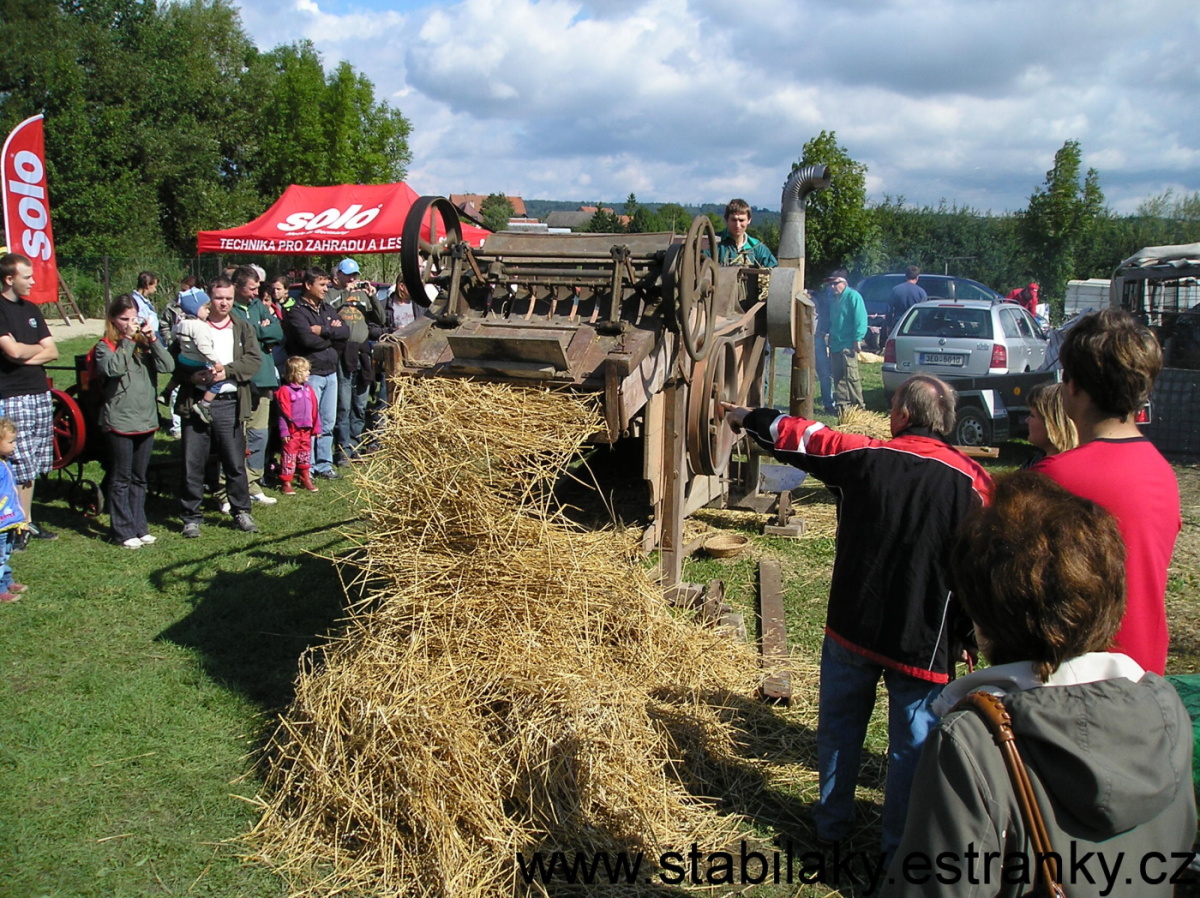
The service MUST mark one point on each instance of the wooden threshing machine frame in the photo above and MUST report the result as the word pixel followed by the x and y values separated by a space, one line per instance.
pixel 647 322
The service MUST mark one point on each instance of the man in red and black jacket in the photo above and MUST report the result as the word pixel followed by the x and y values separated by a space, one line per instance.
pixel 891 610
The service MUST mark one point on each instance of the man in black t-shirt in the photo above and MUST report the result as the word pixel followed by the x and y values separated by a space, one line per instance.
pixel 25 347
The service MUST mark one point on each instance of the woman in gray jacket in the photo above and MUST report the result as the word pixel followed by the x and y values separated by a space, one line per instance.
pixel 126 361
pixel 1108 745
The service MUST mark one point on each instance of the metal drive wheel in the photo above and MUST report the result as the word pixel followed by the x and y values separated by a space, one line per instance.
pixel 731 373
pixel 432 230
pixel 86 498
pixel 696 288
pixel 69 428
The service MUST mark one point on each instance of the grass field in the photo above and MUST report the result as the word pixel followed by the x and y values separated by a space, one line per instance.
pixel 139 685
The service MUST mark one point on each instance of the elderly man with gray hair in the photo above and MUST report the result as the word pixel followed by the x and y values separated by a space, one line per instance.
pixel 891 611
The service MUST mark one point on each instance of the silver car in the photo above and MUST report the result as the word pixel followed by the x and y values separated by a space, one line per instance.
pixel 962 338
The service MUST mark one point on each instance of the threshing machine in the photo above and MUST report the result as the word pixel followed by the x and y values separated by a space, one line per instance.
pixel 648 322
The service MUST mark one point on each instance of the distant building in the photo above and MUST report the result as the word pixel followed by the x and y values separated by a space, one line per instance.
pixel 470 204
pixel 578 221
pixel 574 220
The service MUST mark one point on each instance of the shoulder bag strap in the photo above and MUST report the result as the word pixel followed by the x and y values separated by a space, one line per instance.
pixel 999 724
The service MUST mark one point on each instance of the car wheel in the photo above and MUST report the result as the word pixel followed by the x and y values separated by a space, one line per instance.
pixel 972 429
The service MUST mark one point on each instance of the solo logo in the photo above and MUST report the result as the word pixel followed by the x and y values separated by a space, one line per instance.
pixel 30 185
pixel 332 219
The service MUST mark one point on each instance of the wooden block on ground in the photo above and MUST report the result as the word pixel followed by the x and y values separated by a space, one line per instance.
pixel 777 687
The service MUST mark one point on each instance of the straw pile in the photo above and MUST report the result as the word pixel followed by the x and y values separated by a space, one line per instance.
pixel 852 419
pixel 507 684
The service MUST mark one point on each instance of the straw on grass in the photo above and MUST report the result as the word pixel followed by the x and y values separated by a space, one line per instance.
pixel 507 684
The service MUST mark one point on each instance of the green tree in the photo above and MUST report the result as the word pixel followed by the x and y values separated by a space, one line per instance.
pixel 1063 216
pixel 645 221
pixel 949 239
pixel 163 119
pixel 604 222
pixel 496 210
pixel 674 218
pixel 839 226
pixel 322 130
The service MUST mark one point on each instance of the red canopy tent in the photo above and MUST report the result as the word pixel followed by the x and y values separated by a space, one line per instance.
pixel 343 219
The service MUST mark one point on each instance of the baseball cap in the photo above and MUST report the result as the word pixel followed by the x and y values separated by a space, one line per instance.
pixel 258 269
pixel 348 266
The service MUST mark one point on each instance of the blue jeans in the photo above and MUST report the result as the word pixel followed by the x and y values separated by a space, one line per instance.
pixel 824 372
pixel 326 388
pixel 848 682
pixel 7 539
pixel 353 389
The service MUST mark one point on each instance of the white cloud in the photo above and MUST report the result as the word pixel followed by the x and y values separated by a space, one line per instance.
pixel 690 100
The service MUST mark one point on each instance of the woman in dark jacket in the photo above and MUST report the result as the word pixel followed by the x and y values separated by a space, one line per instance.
pixel 127 360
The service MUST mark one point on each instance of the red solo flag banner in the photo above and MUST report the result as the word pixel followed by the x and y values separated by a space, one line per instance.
pixel 27 205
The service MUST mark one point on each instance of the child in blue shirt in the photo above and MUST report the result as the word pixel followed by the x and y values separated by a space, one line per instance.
pixel 12 514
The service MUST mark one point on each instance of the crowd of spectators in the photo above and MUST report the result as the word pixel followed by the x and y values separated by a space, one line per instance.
pixel 259 385
pixel 1056 575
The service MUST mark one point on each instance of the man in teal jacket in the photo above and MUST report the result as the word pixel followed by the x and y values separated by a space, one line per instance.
pixel 735 246
pixel 847 330
pixel 269 331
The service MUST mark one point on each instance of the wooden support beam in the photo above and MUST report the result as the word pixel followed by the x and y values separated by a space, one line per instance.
pixel 777 687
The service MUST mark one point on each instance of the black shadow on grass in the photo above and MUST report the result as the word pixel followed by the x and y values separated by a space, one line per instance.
pixel 608 486
pixel 739 784
pixel 250 627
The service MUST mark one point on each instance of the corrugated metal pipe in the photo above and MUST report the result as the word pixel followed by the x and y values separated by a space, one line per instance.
pixel 800 184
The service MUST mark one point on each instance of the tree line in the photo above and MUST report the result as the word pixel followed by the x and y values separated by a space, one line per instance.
pixel 164 119
pixel 1065 232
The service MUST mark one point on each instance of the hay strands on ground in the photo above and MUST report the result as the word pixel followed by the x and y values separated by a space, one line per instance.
pixel 507 684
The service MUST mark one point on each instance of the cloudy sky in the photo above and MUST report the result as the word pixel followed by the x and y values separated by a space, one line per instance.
pixel 693 101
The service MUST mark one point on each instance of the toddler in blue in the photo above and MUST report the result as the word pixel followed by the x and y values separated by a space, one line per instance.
pixel 12 514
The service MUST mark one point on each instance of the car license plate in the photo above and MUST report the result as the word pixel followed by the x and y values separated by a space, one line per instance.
pixel 953 359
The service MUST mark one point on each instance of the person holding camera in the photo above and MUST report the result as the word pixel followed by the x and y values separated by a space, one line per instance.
pixel 357 306
pixel 127 362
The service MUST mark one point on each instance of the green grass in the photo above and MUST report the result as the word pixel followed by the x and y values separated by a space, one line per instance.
pixel 139 686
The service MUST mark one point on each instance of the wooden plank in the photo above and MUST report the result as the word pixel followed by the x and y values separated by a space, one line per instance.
pixel 778 686
pixel 979 451
pixel 545 349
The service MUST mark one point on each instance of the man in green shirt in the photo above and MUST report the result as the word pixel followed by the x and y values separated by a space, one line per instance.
pixel 736 247
pixel 847 330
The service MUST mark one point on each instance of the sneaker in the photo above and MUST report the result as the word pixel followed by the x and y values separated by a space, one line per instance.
pixel 287 489
pixel 148 540
pixel 37 532
pixel 17 588
pixel 132 543
pixel 263 499
pixel 244 522
pixel 331 474
pixel 203 412
pixel 9 597
pixel 191 530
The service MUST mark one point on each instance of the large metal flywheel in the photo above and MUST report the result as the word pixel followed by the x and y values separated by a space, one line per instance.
pixel 732 372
